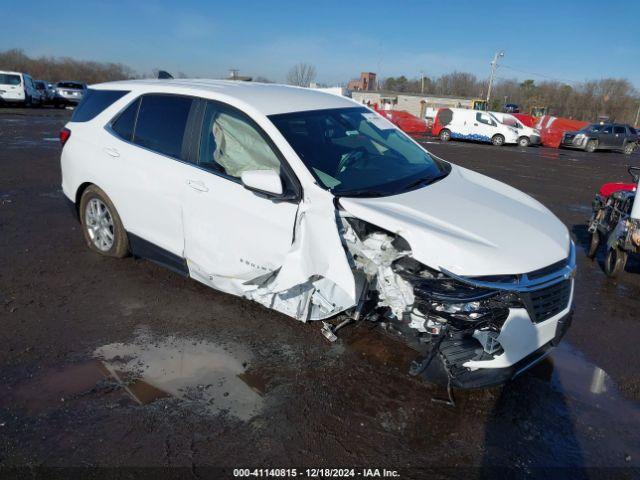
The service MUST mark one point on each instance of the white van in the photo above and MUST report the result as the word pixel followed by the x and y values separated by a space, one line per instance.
pixel 17 88
pixel 527 135
pixel 464 124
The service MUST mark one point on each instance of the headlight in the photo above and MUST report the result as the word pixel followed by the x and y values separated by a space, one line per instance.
pixel 439 296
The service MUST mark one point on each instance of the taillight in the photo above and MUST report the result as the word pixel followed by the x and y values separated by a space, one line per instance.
pixel 65 133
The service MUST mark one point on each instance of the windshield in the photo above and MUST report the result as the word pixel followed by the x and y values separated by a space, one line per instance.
pixel 77 86
pixel 9 79
pixel 596 127
pixel 356 152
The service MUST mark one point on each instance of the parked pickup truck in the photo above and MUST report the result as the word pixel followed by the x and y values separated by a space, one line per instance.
pixel 613 136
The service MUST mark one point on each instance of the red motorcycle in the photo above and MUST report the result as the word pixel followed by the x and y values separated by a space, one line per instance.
pixel 616 218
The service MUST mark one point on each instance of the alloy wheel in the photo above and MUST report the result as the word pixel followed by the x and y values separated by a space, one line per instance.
pixel 99 224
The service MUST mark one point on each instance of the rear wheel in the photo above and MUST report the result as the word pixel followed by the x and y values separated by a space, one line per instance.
pixel 593 246
pixel 445 135
pixel 629 148
pixel 498 140
pixel 615 262
pixel 524 141
pixel 592 145
pixel 101 224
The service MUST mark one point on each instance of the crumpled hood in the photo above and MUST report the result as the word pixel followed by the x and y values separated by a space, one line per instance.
pixel 470 225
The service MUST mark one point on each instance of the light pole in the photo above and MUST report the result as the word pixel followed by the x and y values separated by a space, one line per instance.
pixel 422 83
pixel 494 65
pixel 637 116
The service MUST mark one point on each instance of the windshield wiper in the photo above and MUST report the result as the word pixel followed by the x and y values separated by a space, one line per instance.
pixel 423 182
pixel 360 193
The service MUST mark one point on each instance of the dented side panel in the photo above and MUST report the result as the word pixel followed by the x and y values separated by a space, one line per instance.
pixel 288 257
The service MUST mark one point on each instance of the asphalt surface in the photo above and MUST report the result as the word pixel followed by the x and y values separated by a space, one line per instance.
pixel 121 363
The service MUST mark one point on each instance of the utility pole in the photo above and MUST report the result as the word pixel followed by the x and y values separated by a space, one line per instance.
pixel 494 65
pixel 422 83
pixel 637 117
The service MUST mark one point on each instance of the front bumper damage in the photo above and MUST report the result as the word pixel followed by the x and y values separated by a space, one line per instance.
pixel 467 332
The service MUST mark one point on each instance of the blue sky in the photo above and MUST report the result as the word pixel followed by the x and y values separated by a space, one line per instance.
pixel 566 40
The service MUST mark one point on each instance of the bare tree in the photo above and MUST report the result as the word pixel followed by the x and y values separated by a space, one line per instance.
pixel 63 68
pixel 301 75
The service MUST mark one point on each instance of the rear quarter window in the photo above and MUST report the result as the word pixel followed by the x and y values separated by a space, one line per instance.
pixel 9 79
pixel 95 102
pixel 124 123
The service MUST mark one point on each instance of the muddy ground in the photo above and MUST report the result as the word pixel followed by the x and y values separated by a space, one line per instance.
pixel 121 363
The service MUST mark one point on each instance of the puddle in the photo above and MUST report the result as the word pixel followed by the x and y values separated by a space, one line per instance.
pixel 211 376
pixel 206 377
pixel 52 194
pixel 586 383
pixel 580 209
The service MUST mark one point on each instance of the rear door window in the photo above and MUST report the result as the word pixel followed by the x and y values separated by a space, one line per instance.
pixel 162 122
pixel 124 124
pixel 94 102
pixel 619 129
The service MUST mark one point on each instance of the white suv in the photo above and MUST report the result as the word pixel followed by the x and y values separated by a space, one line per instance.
pixel 317 207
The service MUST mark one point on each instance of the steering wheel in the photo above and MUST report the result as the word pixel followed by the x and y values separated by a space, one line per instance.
pixel 353 155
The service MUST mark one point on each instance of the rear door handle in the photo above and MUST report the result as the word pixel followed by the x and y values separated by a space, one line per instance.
pixel 112 151
pixel 198 185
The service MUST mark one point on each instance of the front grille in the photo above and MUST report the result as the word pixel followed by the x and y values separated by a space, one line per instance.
pixel 547 302
pixel 554 267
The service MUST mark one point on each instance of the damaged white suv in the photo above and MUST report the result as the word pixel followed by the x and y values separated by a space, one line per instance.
pixel 317 207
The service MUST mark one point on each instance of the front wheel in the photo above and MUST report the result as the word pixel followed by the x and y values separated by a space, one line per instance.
pixel 593 246
pixel 524 141
pixel 629 148
pixel 615 262
pixel 101 224
pixel 498 140
pixel 445 135
pixel 592 145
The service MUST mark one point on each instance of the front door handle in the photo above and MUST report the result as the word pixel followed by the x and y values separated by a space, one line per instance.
pixel 112 152
pixel 198 185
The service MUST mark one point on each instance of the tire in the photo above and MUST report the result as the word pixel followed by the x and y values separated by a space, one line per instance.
pixel 629 148
pixel 615 262
pixel 445 135
pixel 101 225
pixel 591 147
pixel 524 142
pixel 497 140
pixel 593 245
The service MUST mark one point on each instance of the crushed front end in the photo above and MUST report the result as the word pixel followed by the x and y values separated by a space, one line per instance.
pixel 467 332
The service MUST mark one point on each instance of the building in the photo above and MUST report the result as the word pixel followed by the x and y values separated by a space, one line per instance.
pixel 234 74
pixel 422 106
pixel 365 83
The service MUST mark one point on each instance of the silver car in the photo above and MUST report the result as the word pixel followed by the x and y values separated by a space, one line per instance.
pixel 68 93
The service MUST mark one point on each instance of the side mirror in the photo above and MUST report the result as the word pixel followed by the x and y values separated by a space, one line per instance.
pixel 262 181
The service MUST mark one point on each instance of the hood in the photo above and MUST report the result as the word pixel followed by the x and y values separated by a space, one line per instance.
pixel 470 225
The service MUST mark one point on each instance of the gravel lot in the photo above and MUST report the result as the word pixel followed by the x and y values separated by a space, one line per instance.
pixel 117 363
